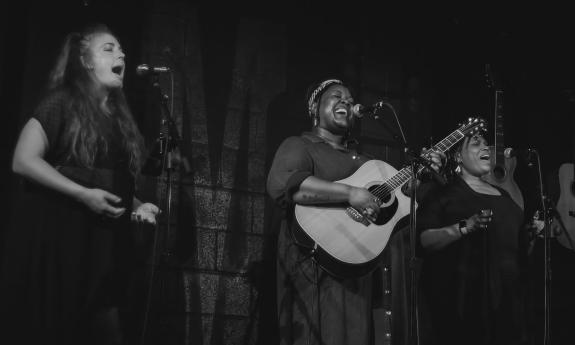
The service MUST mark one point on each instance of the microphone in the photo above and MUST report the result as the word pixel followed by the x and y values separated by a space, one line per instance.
pixel 511 152
pixel 360 111
pixel 527 154
pixel 144 69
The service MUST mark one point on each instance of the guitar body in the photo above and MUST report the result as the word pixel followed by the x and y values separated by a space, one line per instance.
pixel 566 205
pixel 354 246
pixel 501 175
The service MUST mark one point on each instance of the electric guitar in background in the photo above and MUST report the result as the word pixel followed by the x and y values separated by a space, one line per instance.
pixel 348 244
pixel 502 167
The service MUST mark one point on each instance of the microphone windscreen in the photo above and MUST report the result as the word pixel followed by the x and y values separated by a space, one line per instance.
pixel 357 110
pixel 142 69
pixel 509 152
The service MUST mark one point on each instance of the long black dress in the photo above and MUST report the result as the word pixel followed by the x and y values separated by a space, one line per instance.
pixel 471 289
pixel 62 262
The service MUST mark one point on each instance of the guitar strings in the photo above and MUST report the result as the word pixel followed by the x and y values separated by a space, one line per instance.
pixel 404 174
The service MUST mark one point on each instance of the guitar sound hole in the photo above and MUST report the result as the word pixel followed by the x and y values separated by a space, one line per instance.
pixel 499 172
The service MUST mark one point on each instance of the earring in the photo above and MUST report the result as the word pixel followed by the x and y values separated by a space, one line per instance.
pixel 315 120
pixel 458 168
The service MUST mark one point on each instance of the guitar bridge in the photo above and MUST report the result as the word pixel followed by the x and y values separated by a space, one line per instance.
pixel 357 216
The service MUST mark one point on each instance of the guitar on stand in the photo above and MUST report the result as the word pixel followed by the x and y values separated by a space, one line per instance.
pixel 566 205
pixel 566 202
pixel 502 164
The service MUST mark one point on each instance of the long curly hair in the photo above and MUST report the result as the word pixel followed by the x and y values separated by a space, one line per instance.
pixel 84 103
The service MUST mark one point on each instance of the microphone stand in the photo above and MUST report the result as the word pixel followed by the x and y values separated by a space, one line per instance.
pixel 418 165
pixel 413 261
pixel 168 139
pixel 546 256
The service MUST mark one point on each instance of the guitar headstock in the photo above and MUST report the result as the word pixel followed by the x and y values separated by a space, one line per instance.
pixel 490 79
pixel 473 126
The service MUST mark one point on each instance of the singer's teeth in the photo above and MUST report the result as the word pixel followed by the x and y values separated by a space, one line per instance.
pixel 341 111
pixel 484 157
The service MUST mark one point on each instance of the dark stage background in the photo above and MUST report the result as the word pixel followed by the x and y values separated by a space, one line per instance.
pixel 240 76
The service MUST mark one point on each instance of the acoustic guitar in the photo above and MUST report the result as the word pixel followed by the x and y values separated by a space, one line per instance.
pixel 502 167
pixel 566 205
pixel 348 243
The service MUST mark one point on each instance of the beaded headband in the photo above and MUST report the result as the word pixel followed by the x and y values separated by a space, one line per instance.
pixel 312 98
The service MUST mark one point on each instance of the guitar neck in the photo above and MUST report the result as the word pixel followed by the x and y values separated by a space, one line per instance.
pixel 405 174
pixel 498 122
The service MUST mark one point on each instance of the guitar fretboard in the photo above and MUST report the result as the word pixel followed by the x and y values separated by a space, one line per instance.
pixel 499 144
pixel 405 174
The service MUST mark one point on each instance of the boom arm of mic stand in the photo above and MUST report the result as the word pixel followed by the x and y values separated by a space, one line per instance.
pixel 396 137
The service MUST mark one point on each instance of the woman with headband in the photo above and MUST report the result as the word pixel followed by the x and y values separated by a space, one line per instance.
pixel 315 307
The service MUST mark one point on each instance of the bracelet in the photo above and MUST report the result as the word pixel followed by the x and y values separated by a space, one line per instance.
pixel 463 227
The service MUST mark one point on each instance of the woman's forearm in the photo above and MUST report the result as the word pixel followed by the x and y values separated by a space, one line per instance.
pixel 435 239
pixel 315 191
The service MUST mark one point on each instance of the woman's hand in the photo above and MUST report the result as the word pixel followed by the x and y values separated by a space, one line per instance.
pixel 479 221
pixel 102 202
pixel 361 199
pixel 145 213
pixel 437 158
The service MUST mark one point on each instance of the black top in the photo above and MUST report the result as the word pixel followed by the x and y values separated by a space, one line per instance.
pixel 469 280
pixel 110 169
pixel 300 157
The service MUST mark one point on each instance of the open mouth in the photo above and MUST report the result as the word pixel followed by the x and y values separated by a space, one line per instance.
pixel 118 70
pixel 485 157
pixel 341 111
